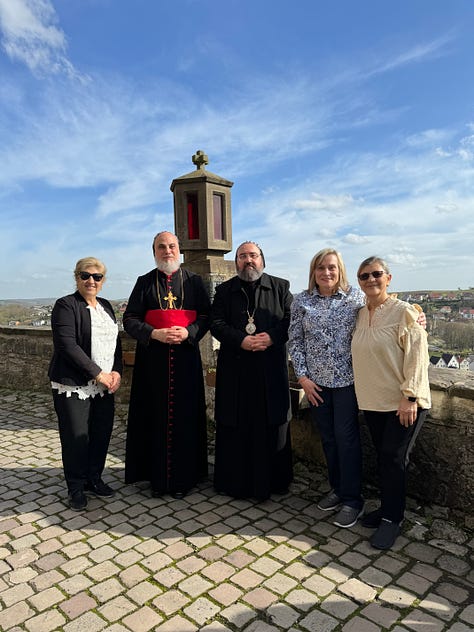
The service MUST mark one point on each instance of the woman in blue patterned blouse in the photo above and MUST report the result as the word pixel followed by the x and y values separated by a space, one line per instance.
pixel 322 321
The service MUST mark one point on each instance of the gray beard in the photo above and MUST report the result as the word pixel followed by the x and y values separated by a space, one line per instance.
pixel 249 274
pixel 168 267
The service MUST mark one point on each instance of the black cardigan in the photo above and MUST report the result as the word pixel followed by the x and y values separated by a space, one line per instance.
pixel 71 363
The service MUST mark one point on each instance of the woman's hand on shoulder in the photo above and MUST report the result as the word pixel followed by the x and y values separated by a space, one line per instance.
pixel 421 320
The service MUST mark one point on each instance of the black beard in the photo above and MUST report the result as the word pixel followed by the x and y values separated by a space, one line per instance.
pixel 168 267
pixel 249 273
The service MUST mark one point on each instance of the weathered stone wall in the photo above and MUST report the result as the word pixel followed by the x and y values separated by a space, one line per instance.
pixel 25 355
pixel 441 469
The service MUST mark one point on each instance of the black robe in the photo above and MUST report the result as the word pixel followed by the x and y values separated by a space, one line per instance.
pixel 166 432
pixel 253 446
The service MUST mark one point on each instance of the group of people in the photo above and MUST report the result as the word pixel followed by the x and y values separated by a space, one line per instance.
pixel 361 349
pixel 352 349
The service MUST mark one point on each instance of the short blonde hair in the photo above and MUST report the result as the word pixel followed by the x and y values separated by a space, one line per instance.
pixel 342 282
pixel 89 262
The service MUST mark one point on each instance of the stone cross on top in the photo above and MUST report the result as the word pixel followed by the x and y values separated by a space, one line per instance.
pixel 200 159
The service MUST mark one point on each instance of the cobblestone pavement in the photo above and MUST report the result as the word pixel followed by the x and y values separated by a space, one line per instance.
pixel 207 562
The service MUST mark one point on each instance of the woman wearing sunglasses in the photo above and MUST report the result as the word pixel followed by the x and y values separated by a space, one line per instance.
pixel 390 360
pixel 85 372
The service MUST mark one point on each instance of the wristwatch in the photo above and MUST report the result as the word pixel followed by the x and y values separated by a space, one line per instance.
pixel 411 399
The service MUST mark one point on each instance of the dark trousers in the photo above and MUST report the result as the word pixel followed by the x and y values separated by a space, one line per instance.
pixel 393 443
pixel 337 420
pixel 85 427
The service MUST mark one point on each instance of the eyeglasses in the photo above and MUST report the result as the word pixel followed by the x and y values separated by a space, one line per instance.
pixel 96 276
pixel 376 274
pixel 252 255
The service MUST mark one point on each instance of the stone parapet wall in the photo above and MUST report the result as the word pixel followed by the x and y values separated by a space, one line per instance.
pixel 25 355
pixel 441 469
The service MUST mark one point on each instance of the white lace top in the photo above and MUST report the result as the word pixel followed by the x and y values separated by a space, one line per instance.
pixel 103 342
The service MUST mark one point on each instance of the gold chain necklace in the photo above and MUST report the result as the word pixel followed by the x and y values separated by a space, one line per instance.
pixel 170 299
pixel 250 327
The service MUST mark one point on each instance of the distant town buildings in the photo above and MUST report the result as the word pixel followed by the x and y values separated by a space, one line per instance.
pixel 449 306
pixel 451 361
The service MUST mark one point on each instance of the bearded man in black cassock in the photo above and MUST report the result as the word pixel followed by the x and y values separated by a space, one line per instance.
pixel 168 314
pixel 250 317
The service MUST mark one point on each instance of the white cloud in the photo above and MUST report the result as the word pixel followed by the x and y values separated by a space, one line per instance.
pixel 31 36
pixel 351 238
pixel 446 209
pixel 320 202
pixel 421 52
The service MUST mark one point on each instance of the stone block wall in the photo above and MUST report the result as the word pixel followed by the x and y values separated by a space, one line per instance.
pixel 441 469
pixel 25 355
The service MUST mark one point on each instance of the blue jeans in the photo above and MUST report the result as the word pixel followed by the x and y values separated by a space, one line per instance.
pixel 337 420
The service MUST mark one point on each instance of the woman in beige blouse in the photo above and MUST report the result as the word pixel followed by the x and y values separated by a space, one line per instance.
pixel 390 360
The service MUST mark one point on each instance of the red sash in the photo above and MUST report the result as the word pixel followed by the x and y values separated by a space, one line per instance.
pixel 164 318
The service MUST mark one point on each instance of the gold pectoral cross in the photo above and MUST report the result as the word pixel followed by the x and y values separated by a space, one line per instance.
pixel 170 299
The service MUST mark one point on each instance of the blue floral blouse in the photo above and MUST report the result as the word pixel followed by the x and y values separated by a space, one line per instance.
pixel 320 336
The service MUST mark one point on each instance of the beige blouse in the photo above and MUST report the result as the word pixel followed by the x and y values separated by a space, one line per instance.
pixel 390 357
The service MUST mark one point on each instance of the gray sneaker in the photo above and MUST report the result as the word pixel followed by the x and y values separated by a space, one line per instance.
pixel 347 516
pixel 329 502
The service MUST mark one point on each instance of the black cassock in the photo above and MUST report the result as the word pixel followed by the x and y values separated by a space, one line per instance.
pixel 166 431
pixel 253 455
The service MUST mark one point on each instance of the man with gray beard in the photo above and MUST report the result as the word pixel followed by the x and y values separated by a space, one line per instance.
pixel 250 317
pixel 168 314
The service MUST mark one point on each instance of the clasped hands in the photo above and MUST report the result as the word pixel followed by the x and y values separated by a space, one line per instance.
pixel 111 380
pixel 170 335
pixel 257 342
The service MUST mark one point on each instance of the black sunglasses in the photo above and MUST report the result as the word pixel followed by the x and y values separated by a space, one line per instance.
pixel 377 274
pixel 96 276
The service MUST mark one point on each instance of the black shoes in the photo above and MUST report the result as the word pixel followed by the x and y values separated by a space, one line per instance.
pixel 77 500
pixel 385 536
pixel 99 488
pixel 158 493
pixel 372 519
pixel 178 495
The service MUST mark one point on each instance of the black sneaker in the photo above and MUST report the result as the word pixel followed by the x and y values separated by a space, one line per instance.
pixel 347 516
pixel 385 536
pixel 77 500
pixel 372 519
pixel 99 488
pixel 329 502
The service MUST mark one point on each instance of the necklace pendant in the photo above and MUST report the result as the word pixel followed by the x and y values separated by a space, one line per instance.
pixel 250 327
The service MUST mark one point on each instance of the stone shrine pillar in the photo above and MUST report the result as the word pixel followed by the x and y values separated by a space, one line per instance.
pixel 203 222
pixel 203 225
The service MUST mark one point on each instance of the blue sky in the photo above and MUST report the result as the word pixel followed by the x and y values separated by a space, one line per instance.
pixel 343 124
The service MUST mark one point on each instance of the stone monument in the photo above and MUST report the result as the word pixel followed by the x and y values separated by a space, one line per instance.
pixel 203 225
pixel 203 222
